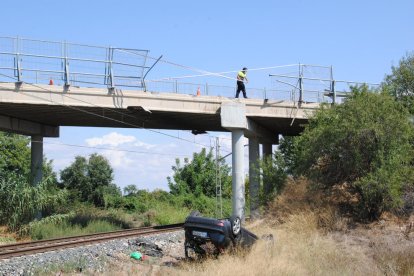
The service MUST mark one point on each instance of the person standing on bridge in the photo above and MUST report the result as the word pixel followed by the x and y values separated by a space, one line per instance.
pixel 241 77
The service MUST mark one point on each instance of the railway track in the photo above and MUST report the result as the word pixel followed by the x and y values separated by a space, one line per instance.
pixel 28 248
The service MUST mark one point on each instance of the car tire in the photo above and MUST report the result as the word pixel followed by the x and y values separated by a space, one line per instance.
pixel 187 255
pixel 235 222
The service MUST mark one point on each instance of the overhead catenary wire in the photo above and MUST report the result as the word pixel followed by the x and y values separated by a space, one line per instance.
pixel 180 65
pixel 220 73
pixel 204 72
pixel 111 149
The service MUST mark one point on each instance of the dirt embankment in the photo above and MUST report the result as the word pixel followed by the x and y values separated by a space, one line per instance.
pixel 312 237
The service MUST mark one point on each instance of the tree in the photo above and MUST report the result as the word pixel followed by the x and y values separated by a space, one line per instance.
pixel 364 142
pixel 100 173
pixel 131 189
pixel 15 159
pixel 75 178
pixel 400 83
pixel 273 171
pixel 287 152
pixel 14 154
pixel 88 179
pixel 198 176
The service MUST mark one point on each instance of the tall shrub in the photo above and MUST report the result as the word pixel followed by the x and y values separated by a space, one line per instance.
pixel 364 142
pixel 20 201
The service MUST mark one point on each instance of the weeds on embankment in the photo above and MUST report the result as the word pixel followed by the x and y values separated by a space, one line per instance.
pixel 312 238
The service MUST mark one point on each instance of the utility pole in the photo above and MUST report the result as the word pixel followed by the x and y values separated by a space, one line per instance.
pixel 219 197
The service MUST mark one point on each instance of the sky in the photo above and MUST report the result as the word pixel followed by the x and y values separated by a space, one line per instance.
pixel 360 39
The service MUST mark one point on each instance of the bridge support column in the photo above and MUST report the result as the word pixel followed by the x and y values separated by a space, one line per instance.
pixel 36 168
pixel 267 153
pixel 254 185
pixel 36 172
pixel 238 173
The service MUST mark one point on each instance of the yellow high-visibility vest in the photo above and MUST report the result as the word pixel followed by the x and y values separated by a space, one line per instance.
pixel 241 75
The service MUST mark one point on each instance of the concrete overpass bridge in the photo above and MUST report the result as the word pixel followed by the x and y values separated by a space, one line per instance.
pixel 40 110
pixel 126 100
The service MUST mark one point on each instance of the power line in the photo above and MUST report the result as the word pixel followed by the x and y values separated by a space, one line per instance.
pixel 180 65
pixel 226 72
pixel 111 149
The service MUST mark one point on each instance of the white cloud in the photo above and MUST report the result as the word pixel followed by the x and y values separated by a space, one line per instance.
pixel 118 159
pixel 141 144
pixel 113 139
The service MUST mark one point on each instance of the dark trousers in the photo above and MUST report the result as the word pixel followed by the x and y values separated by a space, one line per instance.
pixel 241 87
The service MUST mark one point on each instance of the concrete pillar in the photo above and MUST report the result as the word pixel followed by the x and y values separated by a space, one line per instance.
pixel 238 173
pixel 254 178
pixel 36 168
pixel 266 153
pixel 36 159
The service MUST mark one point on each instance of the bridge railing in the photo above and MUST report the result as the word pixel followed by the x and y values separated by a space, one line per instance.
pixel 35 61
pixel 207 89
pixel 66 64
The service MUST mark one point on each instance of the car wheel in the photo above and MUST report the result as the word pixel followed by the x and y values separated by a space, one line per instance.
pixel 235 225
pixel 189 251
pixel 187 255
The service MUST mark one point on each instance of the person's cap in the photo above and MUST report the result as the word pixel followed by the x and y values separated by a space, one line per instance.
pixel 244 68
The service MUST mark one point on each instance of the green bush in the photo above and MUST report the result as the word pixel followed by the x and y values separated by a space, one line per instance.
pixel 83 219
pixel 20 202
pixel 66 229
pixel 273 174
pixel 364 142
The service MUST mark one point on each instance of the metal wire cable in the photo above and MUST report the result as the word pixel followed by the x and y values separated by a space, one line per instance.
pixel 181 66
pixel 220 73
pixel 111 149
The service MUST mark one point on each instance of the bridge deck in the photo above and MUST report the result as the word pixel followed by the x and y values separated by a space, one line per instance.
pixel 94 107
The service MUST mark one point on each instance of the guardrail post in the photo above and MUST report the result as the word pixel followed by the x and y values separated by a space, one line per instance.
pixel 66 77
pixel 333 92
pixel 176 86
pixel 300 85
pixel 300 90
pixel 206 89
pixel 111 82
pixel 18 72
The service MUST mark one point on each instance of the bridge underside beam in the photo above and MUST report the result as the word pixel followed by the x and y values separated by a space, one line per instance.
pixel 256 131
pixel 19 126
pixel 233 116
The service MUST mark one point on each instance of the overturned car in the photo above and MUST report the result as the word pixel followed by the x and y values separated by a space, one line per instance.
pixel 212 236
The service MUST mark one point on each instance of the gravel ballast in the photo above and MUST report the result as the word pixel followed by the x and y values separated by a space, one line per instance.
pixel 95 257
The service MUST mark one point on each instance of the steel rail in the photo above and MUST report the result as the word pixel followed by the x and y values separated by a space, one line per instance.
pixel 28 248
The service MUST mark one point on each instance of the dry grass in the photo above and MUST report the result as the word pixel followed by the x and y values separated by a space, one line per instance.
pixel 297 198
pixel 5 237
pixel 395 261
pixel 310 238
pixel 298 249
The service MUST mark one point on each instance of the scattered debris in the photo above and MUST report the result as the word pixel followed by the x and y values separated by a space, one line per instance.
pixel 136 255
pixel 148 248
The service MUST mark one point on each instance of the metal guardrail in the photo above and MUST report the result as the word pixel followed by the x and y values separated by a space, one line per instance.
pixel 35 61
pixel 230 91
pixel 64 63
